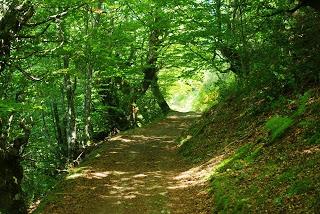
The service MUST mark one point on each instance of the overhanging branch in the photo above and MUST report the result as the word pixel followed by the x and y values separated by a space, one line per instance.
pixel 37 35
pixel 28 75
pixel 56 16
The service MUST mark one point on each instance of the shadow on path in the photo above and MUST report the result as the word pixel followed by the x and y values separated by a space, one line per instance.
pixel 136 172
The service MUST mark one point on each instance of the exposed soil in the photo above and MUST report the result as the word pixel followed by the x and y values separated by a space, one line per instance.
pixel 136 172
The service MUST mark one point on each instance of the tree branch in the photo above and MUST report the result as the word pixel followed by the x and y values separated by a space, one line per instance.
pixel 289 11
pixel 28 75
pixel 35 36
pixel 54 17
pixel 135 13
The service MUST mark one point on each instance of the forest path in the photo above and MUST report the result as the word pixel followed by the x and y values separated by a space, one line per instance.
pixel 138 172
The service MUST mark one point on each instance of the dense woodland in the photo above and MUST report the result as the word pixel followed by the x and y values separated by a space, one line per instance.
pixel 73 73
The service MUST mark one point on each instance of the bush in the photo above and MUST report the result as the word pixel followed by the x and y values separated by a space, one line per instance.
pixel 278 125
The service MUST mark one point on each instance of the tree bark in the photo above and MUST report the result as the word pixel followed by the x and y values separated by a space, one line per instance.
pixel 151 69
pixel 88 128
pixel 159 96
pixel 71 126
pixel 45 128
pixel 12 21
pixel 88 106
pixel 11 172
pixel 59 133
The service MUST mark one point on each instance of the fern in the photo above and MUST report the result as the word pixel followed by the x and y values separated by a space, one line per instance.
pixel 302 104
pixel 278 125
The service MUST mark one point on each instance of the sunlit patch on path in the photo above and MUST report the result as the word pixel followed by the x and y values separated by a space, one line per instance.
pixel 137 172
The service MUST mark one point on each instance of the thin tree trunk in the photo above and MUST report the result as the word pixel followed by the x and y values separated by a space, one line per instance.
pixel 219 21
pixel 59 134
pixel 45 126
pixel 88 128
pixel 244 48
pixel 64 121
pixel 68 93
pixel 71 126
pixel 88 106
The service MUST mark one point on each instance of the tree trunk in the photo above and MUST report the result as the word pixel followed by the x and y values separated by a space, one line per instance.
pixel 12 21
pixel 71 126
pixel 11 172
pixel 68 91
pixel 59 133
pixel 88 128
pixel 151 69
pixel 88 106
pixel 45 128
pixel 159 97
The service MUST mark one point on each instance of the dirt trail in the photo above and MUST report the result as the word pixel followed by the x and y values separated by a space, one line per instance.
pixel 135 173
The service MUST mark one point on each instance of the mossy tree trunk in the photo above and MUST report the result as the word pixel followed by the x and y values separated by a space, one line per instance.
pixel 11 171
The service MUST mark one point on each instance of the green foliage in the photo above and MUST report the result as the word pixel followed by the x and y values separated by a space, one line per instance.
pixel 208 51
pixel 234 161
pixel 315 139
pixel 208 94
pixel 278 125
pixel 287 176
pixel 148 110
pixel 302 104
pixel 256 152
pixel 300 187
pixel 312 131
pixel 227 199
pixel 228 87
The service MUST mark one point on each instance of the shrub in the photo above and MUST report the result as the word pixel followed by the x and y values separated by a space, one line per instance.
pixel 278 125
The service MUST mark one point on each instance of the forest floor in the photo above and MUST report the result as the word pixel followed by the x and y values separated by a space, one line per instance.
pixel 139 172
pixel 261 168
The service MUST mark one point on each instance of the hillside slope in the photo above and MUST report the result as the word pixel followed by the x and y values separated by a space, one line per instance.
pixel 266 152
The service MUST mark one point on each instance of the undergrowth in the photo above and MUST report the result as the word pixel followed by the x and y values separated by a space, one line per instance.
pixel 271 152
